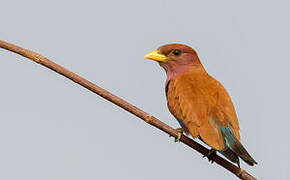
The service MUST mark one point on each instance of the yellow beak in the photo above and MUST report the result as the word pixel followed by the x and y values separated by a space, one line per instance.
pixel 156 56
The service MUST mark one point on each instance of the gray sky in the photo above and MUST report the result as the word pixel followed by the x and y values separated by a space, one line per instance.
pixel 51 128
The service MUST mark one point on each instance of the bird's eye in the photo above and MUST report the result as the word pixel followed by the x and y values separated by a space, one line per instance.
pixel 176 52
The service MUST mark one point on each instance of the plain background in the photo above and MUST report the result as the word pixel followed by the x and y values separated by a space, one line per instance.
pixel 53 129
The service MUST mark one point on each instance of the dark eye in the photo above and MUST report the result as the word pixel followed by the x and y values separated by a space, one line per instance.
pixel 176 52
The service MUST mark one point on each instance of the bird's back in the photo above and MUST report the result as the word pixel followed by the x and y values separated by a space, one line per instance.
pixel 203 105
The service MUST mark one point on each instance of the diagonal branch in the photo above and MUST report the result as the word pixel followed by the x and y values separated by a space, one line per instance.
pixel 242 174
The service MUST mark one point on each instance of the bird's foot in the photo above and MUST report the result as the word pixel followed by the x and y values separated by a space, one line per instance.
pixel 179 134
pixel 210 154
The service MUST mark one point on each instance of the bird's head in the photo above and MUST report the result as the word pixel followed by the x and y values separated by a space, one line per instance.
pixel 175 58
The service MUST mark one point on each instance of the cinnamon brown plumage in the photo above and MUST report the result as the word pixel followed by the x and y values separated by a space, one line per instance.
pixel 199 102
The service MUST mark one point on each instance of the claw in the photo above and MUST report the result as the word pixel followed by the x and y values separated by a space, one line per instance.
pixel 210 153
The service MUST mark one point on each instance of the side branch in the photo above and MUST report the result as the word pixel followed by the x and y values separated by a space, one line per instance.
pixel 242 174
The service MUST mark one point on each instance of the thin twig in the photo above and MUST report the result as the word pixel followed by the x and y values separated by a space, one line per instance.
pixel 242 174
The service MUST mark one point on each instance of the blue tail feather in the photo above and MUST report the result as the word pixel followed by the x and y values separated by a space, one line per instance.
pixel 235 146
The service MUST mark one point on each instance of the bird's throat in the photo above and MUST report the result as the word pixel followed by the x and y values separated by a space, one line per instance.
pixel 174 71
pixel 177 68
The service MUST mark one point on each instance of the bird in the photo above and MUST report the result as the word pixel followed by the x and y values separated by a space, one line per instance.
pixel 200 103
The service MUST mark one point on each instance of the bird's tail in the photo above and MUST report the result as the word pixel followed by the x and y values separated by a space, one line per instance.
pixel 231 155
pixel 235 147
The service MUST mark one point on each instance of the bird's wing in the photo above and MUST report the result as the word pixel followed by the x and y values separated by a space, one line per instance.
pixel 203 105
pixel 224 110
